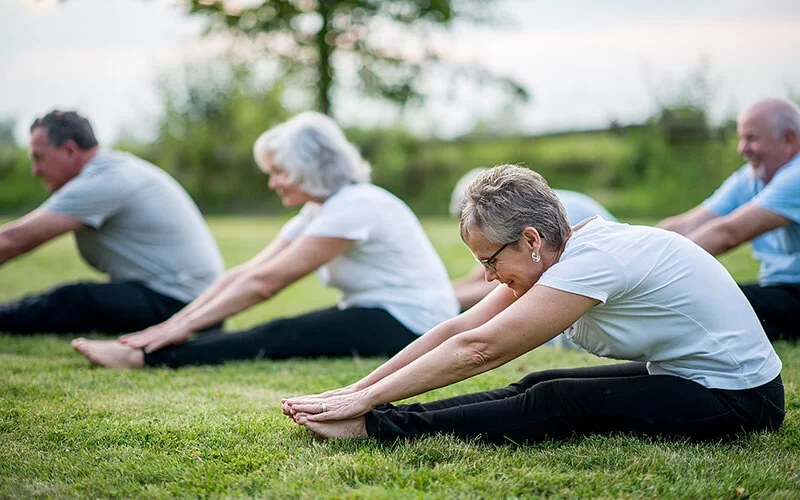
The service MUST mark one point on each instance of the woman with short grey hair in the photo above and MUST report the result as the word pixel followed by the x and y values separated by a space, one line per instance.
pixel 315 153
pixel 507 200
pixel 577 207
pixel 701 366
pixel 359 238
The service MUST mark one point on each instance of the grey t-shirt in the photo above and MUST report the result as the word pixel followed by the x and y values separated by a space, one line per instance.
pixel 141 225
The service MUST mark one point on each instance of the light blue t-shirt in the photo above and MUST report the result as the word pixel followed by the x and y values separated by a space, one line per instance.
pixel 580 206
pixel 777 250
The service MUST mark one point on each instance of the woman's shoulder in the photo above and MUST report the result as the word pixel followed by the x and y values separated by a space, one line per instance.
pixel 363 196
pixel 598 235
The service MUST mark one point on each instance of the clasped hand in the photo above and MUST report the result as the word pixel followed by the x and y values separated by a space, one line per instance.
pixel 341 404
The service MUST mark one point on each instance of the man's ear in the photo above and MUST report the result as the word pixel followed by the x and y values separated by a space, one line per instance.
pixel 790 136
pixel 71 147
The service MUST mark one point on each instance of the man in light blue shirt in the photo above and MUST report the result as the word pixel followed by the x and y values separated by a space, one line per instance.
pixel 760 202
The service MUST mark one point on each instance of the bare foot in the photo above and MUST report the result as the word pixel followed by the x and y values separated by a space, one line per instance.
pixel 338 429
pixel 109 353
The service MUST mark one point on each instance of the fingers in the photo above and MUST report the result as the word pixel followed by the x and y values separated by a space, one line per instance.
pixel 315 412
pixel 306 407
pixel 291 402
pixel 324 416
pixel 286 409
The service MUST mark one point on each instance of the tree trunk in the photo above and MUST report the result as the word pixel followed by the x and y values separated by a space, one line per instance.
pixel 324 70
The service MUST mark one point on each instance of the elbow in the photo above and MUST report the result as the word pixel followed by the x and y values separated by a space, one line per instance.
pixel 478 358
pixel 265 289
pixel 727 237
pixel 11 247
pixel 261 286
pixel 731 242
pixel 478 355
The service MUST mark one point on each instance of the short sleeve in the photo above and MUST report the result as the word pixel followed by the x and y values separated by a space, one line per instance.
pixel 346 217
pixel 588 271
pixel 297 224
pixel 729 196
pixel 782 194
pixel 91 199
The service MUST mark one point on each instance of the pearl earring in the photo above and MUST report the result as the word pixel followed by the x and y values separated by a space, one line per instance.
pixel 536 257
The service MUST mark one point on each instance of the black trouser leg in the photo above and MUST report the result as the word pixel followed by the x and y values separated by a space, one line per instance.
pixel 88 307
pixel 530 380
pixel 329 332
pixel 778 308
pixel 562 403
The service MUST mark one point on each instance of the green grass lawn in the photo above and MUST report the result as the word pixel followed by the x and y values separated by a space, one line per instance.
pixel 68 430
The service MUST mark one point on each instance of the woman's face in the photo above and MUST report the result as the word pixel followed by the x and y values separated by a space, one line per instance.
pixel 513 266
pixel 279 181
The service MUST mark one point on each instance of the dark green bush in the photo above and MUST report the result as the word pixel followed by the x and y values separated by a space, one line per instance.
pixel 19 191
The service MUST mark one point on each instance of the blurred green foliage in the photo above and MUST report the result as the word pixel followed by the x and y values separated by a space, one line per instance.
pixel 213 115
pixel 20 190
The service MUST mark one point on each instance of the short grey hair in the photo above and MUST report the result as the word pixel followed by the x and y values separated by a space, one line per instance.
pixel 63 126
pixel 314 151
pixel 506 199
pixel 786 117
pixel 782 115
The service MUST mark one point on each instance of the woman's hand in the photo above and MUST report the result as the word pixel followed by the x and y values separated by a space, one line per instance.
pixel 339 407
pixel 156 337
pixel 287 409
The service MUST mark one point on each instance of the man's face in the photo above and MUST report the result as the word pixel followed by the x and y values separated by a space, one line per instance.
pixel 54 164
pixel 759 146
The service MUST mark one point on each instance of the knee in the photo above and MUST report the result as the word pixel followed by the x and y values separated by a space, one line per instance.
pixel 72 292
pixel 535 378
pixel 41 302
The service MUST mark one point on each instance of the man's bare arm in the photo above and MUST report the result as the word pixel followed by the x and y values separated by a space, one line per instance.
pixel 689 221
pixel 743 224
pixel 31 230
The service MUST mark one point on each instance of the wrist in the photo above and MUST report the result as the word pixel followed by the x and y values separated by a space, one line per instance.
pixel 369 398
pixel 358 386
pixel 181 324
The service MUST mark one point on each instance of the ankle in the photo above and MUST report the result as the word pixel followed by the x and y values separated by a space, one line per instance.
pixel 136 358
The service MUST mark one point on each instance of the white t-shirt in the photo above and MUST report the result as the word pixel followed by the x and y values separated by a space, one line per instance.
pixel 392 264
pixel 663 300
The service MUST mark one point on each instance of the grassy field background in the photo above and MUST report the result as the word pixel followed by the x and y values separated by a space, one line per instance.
pixel 68 430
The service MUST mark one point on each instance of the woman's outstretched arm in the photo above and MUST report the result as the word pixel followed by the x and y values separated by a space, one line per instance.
pixel 498 300
pixel 251 284
pixel 536 317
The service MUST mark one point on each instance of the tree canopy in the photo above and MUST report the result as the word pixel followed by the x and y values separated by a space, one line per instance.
pixel 383 46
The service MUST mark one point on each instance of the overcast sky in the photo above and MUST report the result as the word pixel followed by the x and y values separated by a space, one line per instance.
pixel 586 62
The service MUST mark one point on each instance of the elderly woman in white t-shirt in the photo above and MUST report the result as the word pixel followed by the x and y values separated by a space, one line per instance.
pixel 702 366
pixel 359 238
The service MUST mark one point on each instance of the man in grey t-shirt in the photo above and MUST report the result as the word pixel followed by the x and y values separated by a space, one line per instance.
pixel 131 221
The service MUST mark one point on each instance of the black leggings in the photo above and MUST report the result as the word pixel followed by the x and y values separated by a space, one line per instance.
pixel 88 307
pixel 778 308
pixel 329 332
pixel 562 403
